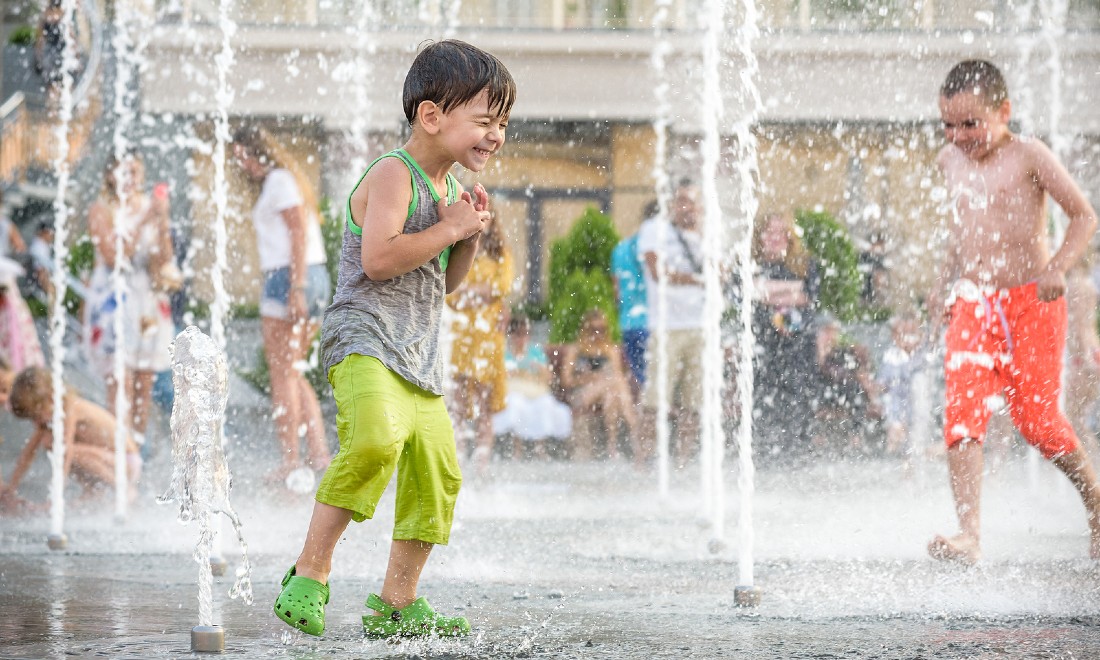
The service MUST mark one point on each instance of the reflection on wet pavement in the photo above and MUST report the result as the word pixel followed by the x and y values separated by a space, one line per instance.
pixel 560 560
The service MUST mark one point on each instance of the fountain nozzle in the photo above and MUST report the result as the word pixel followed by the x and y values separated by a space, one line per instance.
pixel 218 565
pixel 57 541
pixel 747 596
pixel 207 639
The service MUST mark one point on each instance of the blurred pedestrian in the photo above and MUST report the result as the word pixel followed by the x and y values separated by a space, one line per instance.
pixel 785 383
pixel 628 273
pixel 296 290
pixel 532 416
pixel 672 249
pixel 19 343
pixel 599 394
pixel 147 265
pixel 477 349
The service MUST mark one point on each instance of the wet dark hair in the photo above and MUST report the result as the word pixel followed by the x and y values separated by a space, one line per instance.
pixel 977 77
pixel 450 73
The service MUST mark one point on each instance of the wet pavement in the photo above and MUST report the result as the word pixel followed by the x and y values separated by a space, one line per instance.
pixel 553 560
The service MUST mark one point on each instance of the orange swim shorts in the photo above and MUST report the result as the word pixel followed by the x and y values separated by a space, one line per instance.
pixel 1006 342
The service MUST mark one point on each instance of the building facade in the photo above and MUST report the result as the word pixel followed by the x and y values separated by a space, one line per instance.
pixel 847 122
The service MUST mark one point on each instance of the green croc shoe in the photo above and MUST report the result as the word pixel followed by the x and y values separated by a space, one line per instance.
pixel 418 618
pixel 302 602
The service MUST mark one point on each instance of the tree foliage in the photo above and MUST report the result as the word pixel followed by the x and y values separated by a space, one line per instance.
pixel 580 275
pixel 828 241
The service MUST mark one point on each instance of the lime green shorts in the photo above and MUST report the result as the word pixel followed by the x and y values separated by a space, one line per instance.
pixel 385 422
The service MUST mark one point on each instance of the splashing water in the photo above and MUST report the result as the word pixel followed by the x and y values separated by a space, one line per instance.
pixel 224 98
pixel 358 68
pixel 60 257
pixel 661 186
pixel 127 64
pixel 219 307
pixel 201 480
pixel 712 435
pixel 747 169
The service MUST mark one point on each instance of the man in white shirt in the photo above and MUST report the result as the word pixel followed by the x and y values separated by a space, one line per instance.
pixel 679 243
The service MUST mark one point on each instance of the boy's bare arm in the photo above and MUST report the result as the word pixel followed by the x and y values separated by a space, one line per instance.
pixel 464 252
pixel 26 457
pixel 389 252
pixel 462 258
pixel 1052 176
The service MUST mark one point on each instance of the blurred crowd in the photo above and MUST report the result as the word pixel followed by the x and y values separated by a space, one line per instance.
pixel 818 390
pixel 821 387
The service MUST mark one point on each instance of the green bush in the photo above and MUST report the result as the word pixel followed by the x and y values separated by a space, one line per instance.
pixel 580 276
pixel 22 35
pixel 80 262
pixel 828 241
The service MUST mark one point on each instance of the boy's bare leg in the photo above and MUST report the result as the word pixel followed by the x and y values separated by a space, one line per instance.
pixel 95 463
pixel 325 529
pixel 964 463
pixel 1077 466
pixel 407 560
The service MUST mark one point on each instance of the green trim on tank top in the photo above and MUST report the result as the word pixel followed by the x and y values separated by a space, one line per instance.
pixel 414 169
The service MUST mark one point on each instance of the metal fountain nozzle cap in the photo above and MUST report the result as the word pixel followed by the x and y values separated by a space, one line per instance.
pixel 218 565
pixel 207 639
pixel 747 596
pixel 57 541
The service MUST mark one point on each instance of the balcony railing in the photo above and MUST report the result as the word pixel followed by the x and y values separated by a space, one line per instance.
pixel 13 139
pixel 851 16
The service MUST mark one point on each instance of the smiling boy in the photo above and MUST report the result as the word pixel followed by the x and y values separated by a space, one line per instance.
pixel 1007 311
pixel 410 237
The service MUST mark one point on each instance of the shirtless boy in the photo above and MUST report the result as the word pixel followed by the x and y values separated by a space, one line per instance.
pixel 1006 305
pixel 89 435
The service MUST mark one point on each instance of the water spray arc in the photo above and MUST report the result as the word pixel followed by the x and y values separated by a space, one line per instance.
pixel 219 308
pixel 661 184
pixel 712 434
pixel 746 166
pixel 57 539
pixel 200 475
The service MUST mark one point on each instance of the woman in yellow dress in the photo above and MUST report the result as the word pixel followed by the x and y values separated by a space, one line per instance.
pixel 477 350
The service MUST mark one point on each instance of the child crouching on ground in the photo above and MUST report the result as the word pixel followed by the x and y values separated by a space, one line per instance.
pixel 89 436
pixel 10 503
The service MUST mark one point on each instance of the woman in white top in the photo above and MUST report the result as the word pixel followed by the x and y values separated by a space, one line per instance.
pixel 296 290
pixel 148 273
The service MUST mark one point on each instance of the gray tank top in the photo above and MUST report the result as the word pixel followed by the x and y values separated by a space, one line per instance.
pixel 395 320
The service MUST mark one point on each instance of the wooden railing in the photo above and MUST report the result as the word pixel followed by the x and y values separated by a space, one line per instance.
pixel 13 139
pixel 28 137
